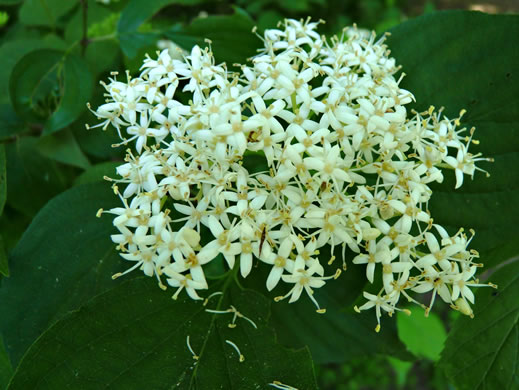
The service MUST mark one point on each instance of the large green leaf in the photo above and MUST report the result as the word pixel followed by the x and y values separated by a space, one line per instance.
pixel 64 148
pixel 6 371
pixel 347 335
pixel 11 124
pixel 4 266
pixel 135 337
pixel 62 260
pixel 44 12
pixel 469 60
pixel 97 172
pixel 3 181
pixel 482 353
pixel 12 226
pixel 32 179
pixel 231 36
pixel 132 42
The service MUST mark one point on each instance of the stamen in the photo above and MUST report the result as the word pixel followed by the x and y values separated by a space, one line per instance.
pixel 242 358
pixel 195 356
pixel 210 296
pixel 282 386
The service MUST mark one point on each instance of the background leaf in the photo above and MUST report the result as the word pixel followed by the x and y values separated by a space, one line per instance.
pixel 32 80
pixel 64 148
pixel 12 51
pixel 96 172
pixel 411 330
pixel 137 12
pixel 131 42
pixel 231 36
pixel 146 331
pixel 6 371
pixel 44 12
pixel 62 260
pixel 3 181
pixel 345 334
pixel 11 124
pixel 27 169
pixel 47 82
pixel 4 266
pixel 467 60
pixel 77 89
pixel 133 16
pixel 482 353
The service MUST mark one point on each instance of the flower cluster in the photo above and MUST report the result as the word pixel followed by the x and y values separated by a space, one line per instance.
pixel 310 145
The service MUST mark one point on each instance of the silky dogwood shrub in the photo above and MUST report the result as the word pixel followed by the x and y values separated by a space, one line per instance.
pixel 347 165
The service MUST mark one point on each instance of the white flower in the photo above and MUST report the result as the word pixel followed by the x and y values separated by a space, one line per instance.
pixel 379 303
pixel 377 253
pixel 303 279
pixel 279 261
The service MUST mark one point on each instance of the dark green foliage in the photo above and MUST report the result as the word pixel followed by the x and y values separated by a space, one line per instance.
pixel 135 337
pixel 66 324
pixel 63 259
pixel 441 55
pixel 481 353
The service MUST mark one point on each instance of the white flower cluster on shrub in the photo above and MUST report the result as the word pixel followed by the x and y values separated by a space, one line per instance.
pixel 310 145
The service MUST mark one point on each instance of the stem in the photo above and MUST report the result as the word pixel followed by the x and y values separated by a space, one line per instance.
pixel 84 40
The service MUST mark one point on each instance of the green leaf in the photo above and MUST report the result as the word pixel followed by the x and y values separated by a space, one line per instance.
pixel 131 42
pixel 481 353
pixel 44 12
pixel 100 55
pixel 63 259
pixel 4 266
pixel 466 60
pixel 231 36
pixel 32 80
pixel 64 148
pixel 11 124
pixel 48 83
pixel 12 226
pixel 348 335
pixel 97 142
pixel 133 16
pixel 137 12
pixel 77 89
pixel 411 330
pixel 96 172
pixel 135 337
pixel 13 50
pixel 96 13
pixel 6 371
pixel 31 178
pixel 3 181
